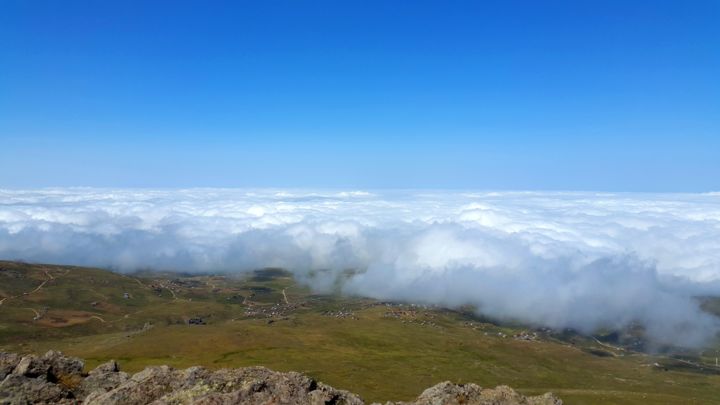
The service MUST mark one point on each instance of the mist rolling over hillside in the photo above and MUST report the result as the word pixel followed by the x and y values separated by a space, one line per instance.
pixel 586 261
pixel 383 196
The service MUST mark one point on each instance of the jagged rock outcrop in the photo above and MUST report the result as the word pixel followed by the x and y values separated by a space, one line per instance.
pixel 103 378
pixel 56 379
pixel 197 385
pixel 8 361
pixel 32 379
pixel 447 393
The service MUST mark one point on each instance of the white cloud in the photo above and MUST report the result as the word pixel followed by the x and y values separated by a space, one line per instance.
pixel 582 260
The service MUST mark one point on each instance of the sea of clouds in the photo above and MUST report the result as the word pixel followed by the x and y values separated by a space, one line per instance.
pixel 579 260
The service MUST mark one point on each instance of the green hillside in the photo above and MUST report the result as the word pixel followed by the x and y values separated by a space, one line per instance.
pixel 378 350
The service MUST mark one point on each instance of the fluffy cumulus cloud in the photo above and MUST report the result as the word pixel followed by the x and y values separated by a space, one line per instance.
pixel 580 260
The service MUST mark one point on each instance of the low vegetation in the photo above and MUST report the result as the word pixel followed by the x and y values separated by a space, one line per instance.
pixel 380 350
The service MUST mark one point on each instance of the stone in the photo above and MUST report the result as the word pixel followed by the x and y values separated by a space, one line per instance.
pixel 57 379
pixel 65 370
pixel 101 379
pixel 8 362
pixel 31 366
pixel 447 393
pixel 20 389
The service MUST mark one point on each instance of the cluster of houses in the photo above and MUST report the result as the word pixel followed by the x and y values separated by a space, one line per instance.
pixel 341 314
pixel 400 314
pixel 525 335
pixel 411 315
pixel 156 288
pixel 275 311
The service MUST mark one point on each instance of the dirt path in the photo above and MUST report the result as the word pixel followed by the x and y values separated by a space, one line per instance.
pixel 697 364
pixel 130 314
pixel 37 314
pixel 171 292
pixel 285 296
pixel 38 288
pixel 50 277
pixel 135 280
pixel 98 318
pixel 607 345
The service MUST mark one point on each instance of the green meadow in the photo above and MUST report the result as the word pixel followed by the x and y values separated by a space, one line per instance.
pixel 382 351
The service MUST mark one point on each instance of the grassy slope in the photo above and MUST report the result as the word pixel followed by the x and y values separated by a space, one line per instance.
pixel 378 357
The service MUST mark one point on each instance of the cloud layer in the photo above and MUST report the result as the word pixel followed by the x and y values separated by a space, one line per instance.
pixel 581 260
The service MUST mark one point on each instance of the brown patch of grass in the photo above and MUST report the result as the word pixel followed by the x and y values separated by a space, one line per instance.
pixel 64 318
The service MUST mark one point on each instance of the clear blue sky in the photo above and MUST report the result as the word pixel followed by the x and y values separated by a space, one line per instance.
pixel 571 95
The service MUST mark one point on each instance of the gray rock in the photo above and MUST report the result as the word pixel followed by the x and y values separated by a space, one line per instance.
pixel 31 366
pixel 196 385
pixel 143 387
pixel 101 379
pixel 53 365
pixel 19 389
pixel 8 362
pixel 54 378
pixel 67 371
pixel 108 367
pixel 447 393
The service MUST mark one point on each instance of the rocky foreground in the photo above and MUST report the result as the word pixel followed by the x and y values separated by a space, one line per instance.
pixel 57 379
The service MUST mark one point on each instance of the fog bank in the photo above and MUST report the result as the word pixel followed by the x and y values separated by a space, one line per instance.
pixel 580 260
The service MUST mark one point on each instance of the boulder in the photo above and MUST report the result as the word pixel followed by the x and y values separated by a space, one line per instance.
pixel 8 362
pixel 53 365
pixel 67 371
pixel 31 366
pixel 447 393
pixel 20 389
pixel 142 388
pixel 108 367
pixel 101 379
pixel 196 385
pixel 57 379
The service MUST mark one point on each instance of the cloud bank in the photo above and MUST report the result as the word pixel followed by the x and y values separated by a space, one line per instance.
pixel 580 260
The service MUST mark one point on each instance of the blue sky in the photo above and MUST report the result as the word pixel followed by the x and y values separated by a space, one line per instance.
pixel 576 95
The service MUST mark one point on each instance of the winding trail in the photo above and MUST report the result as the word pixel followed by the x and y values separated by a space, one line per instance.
pixel 49 276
